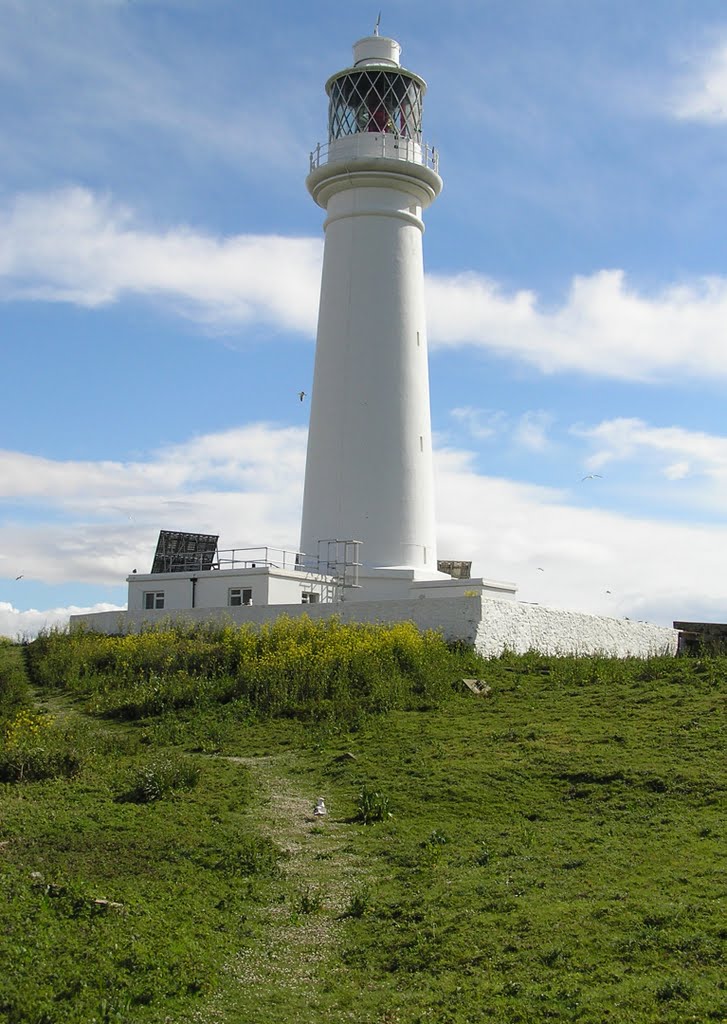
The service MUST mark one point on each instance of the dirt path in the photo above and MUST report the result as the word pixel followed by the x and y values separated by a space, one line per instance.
pixel 300 937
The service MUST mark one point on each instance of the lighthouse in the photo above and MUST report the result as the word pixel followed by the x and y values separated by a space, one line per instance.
pixel 368 531
pixel 369 472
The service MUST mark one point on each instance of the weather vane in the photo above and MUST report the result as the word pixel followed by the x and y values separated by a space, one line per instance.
pixel 376 26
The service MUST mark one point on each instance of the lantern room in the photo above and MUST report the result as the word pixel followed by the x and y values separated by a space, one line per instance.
pixel 374 112
pixel 375 95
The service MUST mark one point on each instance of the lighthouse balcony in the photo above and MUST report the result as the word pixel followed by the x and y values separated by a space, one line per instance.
pixel 365 145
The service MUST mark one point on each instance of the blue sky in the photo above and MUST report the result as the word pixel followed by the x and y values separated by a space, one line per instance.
pixel 159 268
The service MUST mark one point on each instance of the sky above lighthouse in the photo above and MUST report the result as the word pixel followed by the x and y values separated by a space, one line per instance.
pixel 159 271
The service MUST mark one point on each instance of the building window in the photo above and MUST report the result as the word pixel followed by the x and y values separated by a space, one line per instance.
pixel 153 599
pixel 309 597
pixel 238 596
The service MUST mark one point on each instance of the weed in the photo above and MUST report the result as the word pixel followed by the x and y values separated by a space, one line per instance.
pixel 250 855
pixel 359 903
pixel 372 806
pixel 14 689
pixel 34 749
pixel 159 777
pixel 436 839
pixel 673 989
pixel 483 857
pixel 322 671
pixel 308 901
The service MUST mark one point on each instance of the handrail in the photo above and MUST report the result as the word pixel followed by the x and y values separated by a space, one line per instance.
pixel 377 144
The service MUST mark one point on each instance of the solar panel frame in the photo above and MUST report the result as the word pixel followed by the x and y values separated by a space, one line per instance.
pixel 177 551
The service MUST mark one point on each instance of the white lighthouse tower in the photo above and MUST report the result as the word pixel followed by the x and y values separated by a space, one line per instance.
pixel 369 474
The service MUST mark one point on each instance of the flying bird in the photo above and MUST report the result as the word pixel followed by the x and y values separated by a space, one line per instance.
pixel 540 568
pixel 19 577
pixel 301 395
pixel 592 476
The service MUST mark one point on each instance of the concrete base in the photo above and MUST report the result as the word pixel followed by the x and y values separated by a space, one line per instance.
pixel 489 624
pixel 400 583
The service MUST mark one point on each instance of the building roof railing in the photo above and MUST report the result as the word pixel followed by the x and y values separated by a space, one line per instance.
pixel 259 557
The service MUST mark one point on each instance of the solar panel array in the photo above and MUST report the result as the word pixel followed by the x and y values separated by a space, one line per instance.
pixel 185 552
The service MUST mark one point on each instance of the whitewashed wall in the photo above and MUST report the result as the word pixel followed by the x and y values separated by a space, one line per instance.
pixel 490 625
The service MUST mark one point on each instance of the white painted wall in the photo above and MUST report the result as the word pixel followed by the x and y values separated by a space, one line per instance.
pixel 489 624
pixel 369 473
pixel 268 585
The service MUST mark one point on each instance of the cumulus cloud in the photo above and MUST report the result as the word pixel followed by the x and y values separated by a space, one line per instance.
pixel 678 452
pixel 77 247
pixel 702 95
pixel 587 559
pixel 592 559
pixel 603 327
pixel 102 518
pixel 21 625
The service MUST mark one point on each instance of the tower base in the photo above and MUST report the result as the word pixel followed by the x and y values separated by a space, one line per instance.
pixel 402 583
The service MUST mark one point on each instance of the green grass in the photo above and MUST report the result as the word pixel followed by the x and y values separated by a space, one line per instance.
pixel 553 852
pixel 14 689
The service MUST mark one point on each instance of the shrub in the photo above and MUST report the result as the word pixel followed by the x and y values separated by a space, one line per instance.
pixel 160 777
pixel 250 855
pixel 14 689
pixel 34 750
pixel 321 671
pixel 308 901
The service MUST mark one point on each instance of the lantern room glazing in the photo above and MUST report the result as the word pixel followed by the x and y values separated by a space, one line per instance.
pixel 382 100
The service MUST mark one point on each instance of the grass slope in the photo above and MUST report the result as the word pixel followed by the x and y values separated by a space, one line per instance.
pixel 555 852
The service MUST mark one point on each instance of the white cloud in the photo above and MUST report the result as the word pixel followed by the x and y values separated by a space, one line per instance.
pixel 22 625
pixel 102 519
pixel 531 431
pixel 90 81
pixel 74 246
pixel 657 569
pixel 481 424
pixel 702 95
pixel 661 569
pixel 676 451
pixel 677 470
pixel 604 326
